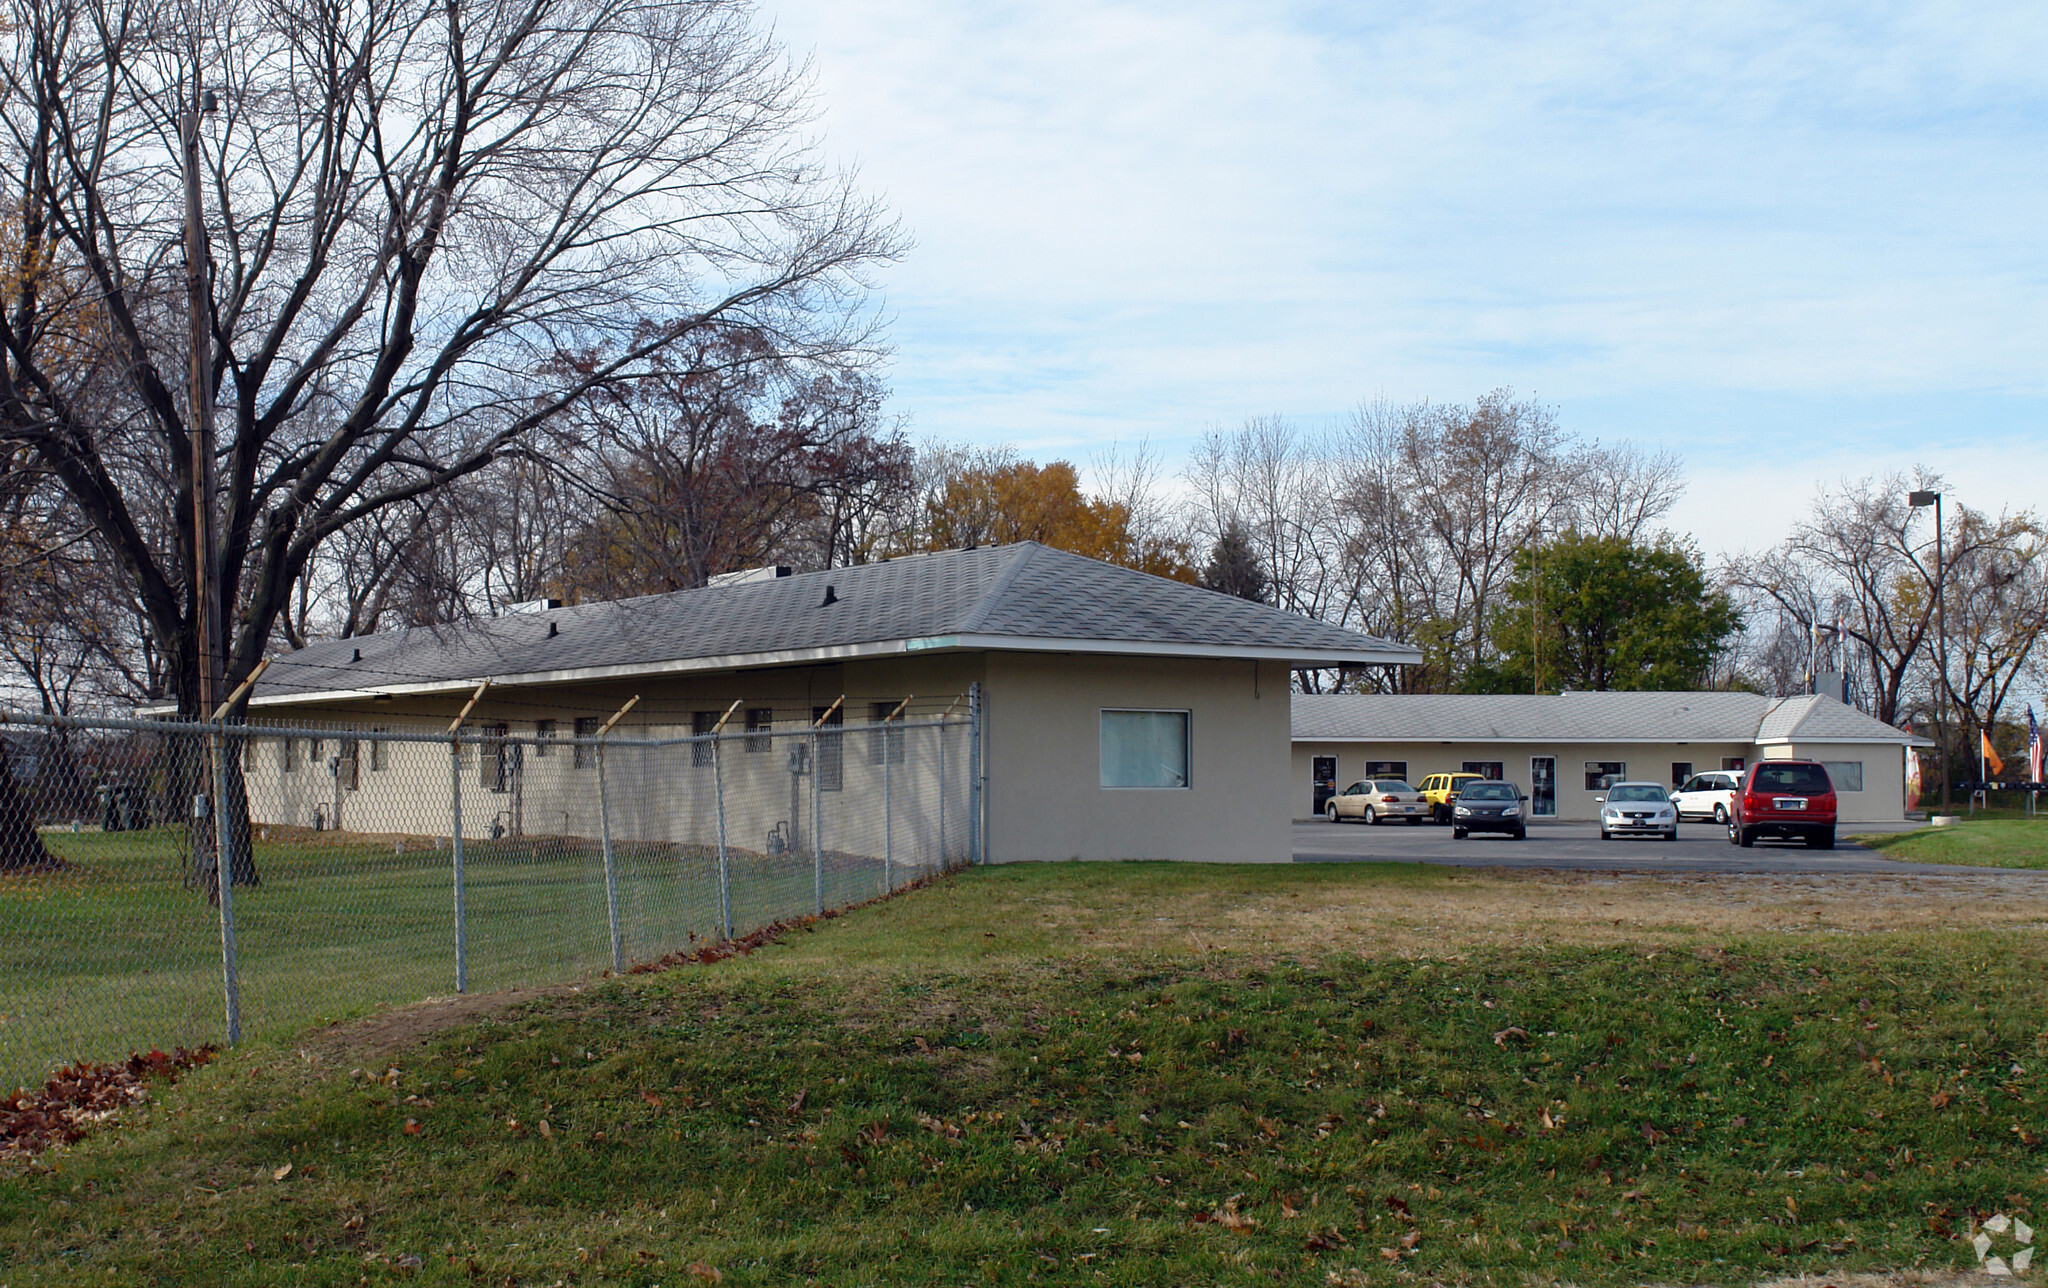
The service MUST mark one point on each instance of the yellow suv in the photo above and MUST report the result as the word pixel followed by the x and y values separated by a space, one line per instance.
pixel 1438 789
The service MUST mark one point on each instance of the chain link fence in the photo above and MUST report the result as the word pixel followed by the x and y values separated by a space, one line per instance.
pixel 379 864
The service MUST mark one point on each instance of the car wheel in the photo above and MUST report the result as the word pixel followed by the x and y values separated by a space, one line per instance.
pixel 1821 840
pixel 1745 838
pixel 1671 835
pixel 1720 813
pixel 1606 835
pixel 1371 819
pixel 1335 817
pixel 1517 834
pixel 1457 834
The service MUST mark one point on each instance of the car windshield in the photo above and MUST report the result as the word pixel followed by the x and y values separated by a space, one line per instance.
pixel 1793 780
pixel 1635 792
pixel 1392 785
pixel 1487 792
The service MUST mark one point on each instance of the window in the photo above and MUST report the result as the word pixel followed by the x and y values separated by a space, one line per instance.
pixel 377 749
pixel 760 720
pixel 1681 770
pixel 543 738
pixel 1848 774
pixel 316 751
pixel 1790 780
pixel 494 772
pixel 1734 764
pixel 1144 748
pixel 289 750
pixel 1485 768
pixel 831 750
pixel 346 763
pixel 1603 774
pixel 1386 769
pixel 889 739
pixel 586 728
pixel 701 725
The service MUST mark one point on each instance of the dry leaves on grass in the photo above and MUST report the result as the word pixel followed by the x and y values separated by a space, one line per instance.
pixel 76 1098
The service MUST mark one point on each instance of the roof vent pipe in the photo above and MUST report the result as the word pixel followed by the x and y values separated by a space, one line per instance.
pixel 358 657
pixel 831 596
pixel 554 629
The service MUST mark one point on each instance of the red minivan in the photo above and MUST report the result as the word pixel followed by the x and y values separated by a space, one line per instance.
pixel 1792 799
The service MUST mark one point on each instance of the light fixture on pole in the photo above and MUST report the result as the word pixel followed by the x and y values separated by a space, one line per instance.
pixel 1919 500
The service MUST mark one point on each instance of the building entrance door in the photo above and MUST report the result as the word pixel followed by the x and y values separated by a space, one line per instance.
pixel 1543 786
pixel 1323 774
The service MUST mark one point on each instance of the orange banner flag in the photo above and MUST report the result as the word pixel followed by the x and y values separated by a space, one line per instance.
pixel 1990 756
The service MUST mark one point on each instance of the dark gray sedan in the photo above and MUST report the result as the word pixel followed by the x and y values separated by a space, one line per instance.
pixel 1488 806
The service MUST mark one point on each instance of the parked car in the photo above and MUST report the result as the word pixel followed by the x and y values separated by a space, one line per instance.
pixel 1376 799
pixel 1637 809
pixel 1708 795
pixel 1488 805
pixel 1794 799
pixel 1438 789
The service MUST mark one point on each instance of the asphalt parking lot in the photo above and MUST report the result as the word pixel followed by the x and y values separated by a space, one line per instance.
pixel 1700 847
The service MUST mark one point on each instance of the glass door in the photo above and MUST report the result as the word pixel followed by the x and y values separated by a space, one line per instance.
pixel 1323 775
pixel 1543 786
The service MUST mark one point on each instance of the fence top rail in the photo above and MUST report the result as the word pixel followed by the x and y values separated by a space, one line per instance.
pixel 440 737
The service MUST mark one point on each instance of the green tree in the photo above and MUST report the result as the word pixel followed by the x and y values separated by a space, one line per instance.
pixel 1606 613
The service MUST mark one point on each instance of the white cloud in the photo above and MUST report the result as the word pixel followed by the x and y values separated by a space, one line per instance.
pixel 1767 230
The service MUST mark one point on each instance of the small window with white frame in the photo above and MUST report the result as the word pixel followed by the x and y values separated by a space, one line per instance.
pixel 1145 749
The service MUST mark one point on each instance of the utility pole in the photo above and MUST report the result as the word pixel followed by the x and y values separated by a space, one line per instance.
pixel 1917 500
pixel 199 431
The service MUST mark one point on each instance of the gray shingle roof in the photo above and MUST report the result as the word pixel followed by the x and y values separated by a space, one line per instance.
pixel 1822 719
pixel 1583 717
pixel 1019 596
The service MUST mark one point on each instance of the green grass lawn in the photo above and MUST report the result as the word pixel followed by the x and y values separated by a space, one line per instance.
pixel 2009 842
pixel 117 953
pixel 1134 1074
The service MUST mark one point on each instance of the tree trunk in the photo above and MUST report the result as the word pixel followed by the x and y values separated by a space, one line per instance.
pixel 21 847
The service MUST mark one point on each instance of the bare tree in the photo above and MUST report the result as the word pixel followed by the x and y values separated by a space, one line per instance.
pixel 422 212
pixel 1997 608
pixel 1620 490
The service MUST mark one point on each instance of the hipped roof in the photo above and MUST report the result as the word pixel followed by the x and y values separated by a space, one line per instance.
pixel 1657 717
pixel 1023 596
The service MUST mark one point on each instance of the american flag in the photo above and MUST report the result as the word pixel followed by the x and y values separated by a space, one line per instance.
pixel 2033 746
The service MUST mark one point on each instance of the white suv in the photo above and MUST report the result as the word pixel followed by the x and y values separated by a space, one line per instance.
pixel 1709 795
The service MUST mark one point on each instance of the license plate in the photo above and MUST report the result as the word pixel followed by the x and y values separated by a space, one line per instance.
pixel 1789 802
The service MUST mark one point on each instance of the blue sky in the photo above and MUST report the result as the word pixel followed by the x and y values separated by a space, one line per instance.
pixel 1794 244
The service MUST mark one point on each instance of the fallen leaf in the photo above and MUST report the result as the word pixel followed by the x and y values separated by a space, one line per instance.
pixel 1288 1211
pixel 924 1046
pixel 281 1172
pixel 650 1098
pixel 412 1126
pixel 796 1105
pixel 547 1129
pixel 1792 1206
pixel 1500 1039
pixel 708 1273
pixel 410 1261
pixel 1411 1238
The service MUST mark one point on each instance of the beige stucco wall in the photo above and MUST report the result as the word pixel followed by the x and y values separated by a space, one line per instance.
pixel 655 794
pixel 1650 762
pixel 1883 798
pixel 1046 800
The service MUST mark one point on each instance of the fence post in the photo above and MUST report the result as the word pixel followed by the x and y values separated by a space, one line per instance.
pixel 224 881
pixel 941 736
pixel 818 817
pixel 818 799
pixel 604 830
pixel 455 846
pixel 455 837
pixel 718 783
pixel 975 840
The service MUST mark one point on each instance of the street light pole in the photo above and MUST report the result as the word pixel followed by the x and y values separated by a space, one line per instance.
pixel 1917 500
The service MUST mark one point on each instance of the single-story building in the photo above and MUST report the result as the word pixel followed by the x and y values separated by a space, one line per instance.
pixel 1564 749
pixel 1123 716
